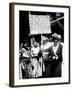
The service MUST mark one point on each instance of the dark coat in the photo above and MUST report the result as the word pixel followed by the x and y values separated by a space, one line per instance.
pixel 58 52
pixel 53 66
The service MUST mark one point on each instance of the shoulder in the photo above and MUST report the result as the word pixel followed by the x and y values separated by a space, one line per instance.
pixel 60 45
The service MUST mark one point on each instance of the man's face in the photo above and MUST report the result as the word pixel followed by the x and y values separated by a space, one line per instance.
pixel 55 42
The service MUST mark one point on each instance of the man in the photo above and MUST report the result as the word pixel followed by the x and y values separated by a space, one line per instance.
pixel 53 69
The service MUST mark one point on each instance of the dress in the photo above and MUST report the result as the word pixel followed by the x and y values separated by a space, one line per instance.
pixel 35 60
pixel 25 67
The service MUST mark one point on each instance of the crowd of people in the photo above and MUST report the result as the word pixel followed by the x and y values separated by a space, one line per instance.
pixel 41 59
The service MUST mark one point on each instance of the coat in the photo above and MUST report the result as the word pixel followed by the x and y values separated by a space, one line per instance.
pixel 57 54
pixel 53 65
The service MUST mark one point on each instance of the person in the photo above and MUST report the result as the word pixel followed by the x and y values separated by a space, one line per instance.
pixel 60 41
pixel 37 72
pixel 25 66
pixel 46 43
pixel 53 68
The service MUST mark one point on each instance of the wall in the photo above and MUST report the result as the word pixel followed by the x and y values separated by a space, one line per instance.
pixel 4 43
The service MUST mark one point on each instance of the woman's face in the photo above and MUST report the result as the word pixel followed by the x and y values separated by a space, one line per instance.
pixel 35 44
pixel 55 42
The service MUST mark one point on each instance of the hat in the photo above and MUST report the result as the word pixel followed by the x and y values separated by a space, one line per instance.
pixel 59 36
pixel 55 36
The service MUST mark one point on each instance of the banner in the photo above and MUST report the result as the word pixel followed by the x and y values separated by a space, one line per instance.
pixel 39 24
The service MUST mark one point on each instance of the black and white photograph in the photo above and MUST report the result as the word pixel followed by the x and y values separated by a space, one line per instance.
pixel 41 44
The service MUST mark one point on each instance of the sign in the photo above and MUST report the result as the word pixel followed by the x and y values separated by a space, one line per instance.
pixel 39 24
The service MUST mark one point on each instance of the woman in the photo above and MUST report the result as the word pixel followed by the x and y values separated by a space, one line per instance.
pixel 35 50
pixel 53 69
pixel 25 67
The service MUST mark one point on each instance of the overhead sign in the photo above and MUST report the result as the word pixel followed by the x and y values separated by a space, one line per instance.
pixel 39 24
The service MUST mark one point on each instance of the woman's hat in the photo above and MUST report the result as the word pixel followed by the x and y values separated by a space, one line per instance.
pixel 55 36
pixel 59 36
